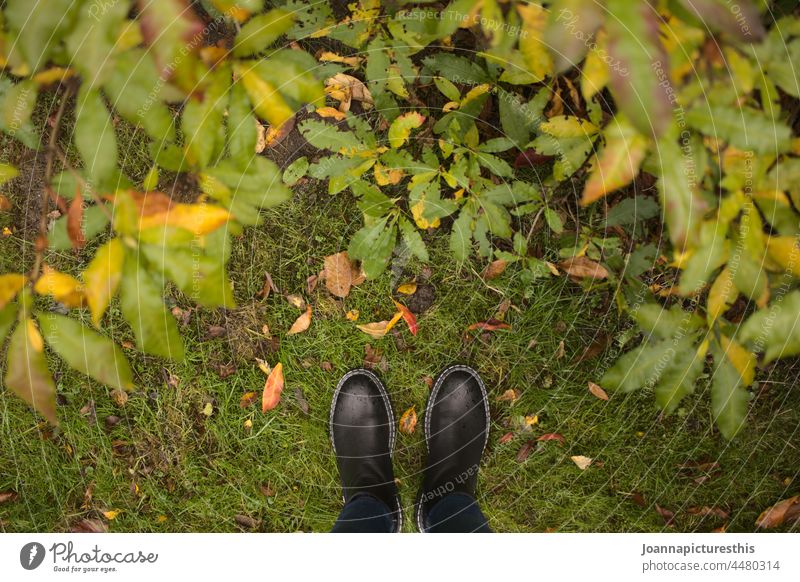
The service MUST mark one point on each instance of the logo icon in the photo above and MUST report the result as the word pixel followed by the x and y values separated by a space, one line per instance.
pixel 31 555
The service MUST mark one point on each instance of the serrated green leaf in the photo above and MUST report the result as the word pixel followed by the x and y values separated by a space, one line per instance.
pixel 94 137
pixel 27 375
pixel 638 368
pixel 413 240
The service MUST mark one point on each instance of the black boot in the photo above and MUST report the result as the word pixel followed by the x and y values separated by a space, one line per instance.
pixel 456 432
pixel 363 434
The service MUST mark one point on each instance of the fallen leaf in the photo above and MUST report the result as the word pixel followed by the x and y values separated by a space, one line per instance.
pixel 119 397
pixel 208 409
pixel 300 398
pixel 248 425
pixel 331 112
pixel 268 286
pixel 272 388
pixel 561 351
pixel 488 325
pixel 246 521
pixel 494 269
pixel 667 515
pixel 111 514
pixel 506 438
pixel 248 399
pixel 594 349
pixel 89 526
pixel 786 511
pixel 345 88
pixel 379 329
pixel 326 366
pixel 509 395
pixel 311 283
pixel 266 490
pixel 338 274
pixel 583 268
pixel 525 451
pixel 532 344
pixel 296 301
pixel 352 315
pixel 8 496
pixel 373 359
pixel 581 461
pixel 301 323
pixel 408 421
pixel 215 331
pixel 638 499
pixel 705 511
pixel 275 135
pixel 597 391
pixel 407 288
pixel 552 436
pixel 410 318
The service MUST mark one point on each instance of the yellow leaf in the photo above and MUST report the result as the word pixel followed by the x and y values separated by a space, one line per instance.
pixel 407 288
pixel 329 57
pixel 53 75
pixel 267 102
pixel 34 337
pixel 10 285
pixel 352 315
pixel 62 287
pixel 618 163
pixel 408 421
pixel 785 252
pixel 721 296
pixel 742 359
pixel 380 328
pixel 401 127
pixel 594 73
pixel 197 218
pixel 330 112
pixel 385 176
pixel 101 278
pixel 568 126
pixel 417 212
pixel 111 514
pixel 537 58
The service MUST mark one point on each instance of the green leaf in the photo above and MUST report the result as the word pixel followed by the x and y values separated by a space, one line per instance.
pixel 94 137
pixel 728 397
pixel 202 121
pixel 255 184
pixel 91 44
pixel 94 222
pixel 378 258
pixel 775 330
pixel 27 375
pixel 325 136
pixel 632 211
pixel 202 278
pixel 513 118
pixel 680 376
pixel 365 239
pixel 638 368
pixel 38 27
pixel 461 235
pixel 464 70
pixel 743 127
pixel 553 220
pixel 142 307
pixel 294 171
pixel 242 130
pixel 8 315
pixel 707 258
pixel 665 323
pixel 413 240
pixel 87 351
pixel 261 31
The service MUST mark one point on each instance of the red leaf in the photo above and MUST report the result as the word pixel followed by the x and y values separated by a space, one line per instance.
pixel 530 158
pixel 552 436
pixel 667 515
pixel 272 388
pixel 506 438
pixel 488 325
pixel 409 317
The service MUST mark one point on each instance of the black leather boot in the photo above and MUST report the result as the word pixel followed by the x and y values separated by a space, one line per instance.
pixel 363 434
pixel 456 432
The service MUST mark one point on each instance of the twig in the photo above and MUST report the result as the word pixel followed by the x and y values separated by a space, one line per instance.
pixel 48 175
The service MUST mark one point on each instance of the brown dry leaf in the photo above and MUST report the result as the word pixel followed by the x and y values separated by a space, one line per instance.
pixel 75 221
pixel 667 515
pixel 89 526
pixel 581 461
pixel 525 451
pixel 7 496
pixel 300 398
pixel 594 349
pixel 247 521
pixel 597 391
pixel 508 396
pixel 561 351
pixel 5 203
pixel 296 301
pixel 268 286
pixel 407 288
pixel 408 421
pixel 248 399
pixel 119 397
pixel 553 269
pixel 705 511
pixel 272 388
pixel 373 359
pixel 509 436
pixel 301 323
pixel 494 269
pixel 583 268
pixel 276 135
pixel 344 88
pixel 552 436
pixel 786 511
pixel 379 329
pixel 358 276
pixel 311 283
pixel 326 366
pixel 261 137
pixel 339 274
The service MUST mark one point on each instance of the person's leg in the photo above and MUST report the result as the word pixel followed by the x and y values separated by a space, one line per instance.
pixel 364 513
pixel 456 432
pixel 457 513
pixel 363 435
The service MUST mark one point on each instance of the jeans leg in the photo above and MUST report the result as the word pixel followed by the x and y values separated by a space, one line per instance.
pixel 364 513
pixel 457 513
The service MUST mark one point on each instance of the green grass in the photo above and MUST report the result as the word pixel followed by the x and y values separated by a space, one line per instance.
pixel 169 467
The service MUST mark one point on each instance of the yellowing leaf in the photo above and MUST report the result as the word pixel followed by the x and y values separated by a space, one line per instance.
pixel 301 323
pixel 474 93
pixel 111 514
pixel 330 112
pixel 379 329
pixel 417 212
pixel 401 127
pixel 722 295
pixel 10 285
pixel 352 315
pixel 742 359
pixel 199 219
pixel 568 126
pixel 329 57
pixel 386 176
pixel 785 252
pixel 272 388
pixel 594 73
pixel 618 163
pixel 101 278
pixel 407 288
pixel 537 58
pixel 267 102
pixel 60 286
pixel 597 391
pixel 408 421
pixel 581 461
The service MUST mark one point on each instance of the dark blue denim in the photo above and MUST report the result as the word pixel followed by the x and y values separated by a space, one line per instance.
pixel 455 513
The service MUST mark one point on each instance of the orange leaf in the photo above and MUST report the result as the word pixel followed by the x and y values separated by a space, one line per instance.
pixel 330 112
pixel 410 318
pixel 583 268
pixel 782 512
pixel 597 391
pixel 75 221
pixel 338 274
pixel 301 323
pixel 272 388
pixel 552 436
pixel 506 438
pixel 488 325
pixel 494 269
pixel 408 421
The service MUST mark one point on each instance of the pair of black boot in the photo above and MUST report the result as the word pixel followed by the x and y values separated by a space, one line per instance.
pixel 456 424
